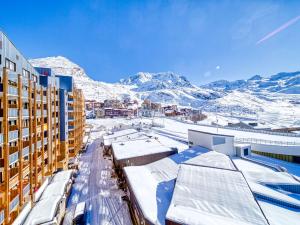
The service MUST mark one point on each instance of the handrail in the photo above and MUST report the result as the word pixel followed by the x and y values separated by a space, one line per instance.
pixel 237 128
pixel 266 142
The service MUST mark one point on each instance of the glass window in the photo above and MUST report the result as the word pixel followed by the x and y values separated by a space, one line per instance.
pixel 10 65
pixel 219 140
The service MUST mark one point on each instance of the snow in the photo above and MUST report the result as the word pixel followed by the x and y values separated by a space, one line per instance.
pixel 263 99
pixel 62 176
pixel 276 191
pixel 280 215
pixel 153 184
pixel 125 138
pixel 292 168
pixel 55 189
pixel 262 191
pixel 212 196
pixel 23 214
pixel 180 129
pixel 212 159
pixel 44 211
pixel 108 139
pixel 136 148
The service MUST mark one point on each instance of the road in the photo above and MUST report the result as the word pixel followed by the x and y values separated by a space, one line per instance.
pixel 95 186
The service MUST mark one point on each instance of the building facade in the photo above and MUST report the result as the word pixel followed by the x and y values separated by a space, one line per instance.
pixel 30 141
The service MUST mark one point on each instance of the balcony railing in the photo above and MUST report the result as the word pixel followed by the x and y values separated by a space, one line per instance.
pixel 26 189
pixel 12 76
pixel 1 216
pixel 25 151
pixel 39 144
pixel 38 113
pixel 25 132
pixel 14 203
pixel 25 81
pixel 71 127
pixel 25 93
pixel 70 108
pixel 45 140
pixel 12 90
pixel 13 135
pixel 38 97
pixel 25 112
pixel 12 112
pixel 13 158
pixel 45 112
pixel 32 148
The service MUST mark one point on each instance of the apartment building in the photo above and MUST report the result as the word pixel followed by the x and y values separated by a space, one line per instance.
pixel 30 142
pixel 74 114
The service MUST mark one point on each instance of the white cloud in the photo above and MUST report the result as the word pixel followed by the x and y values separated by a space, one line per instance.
pixel 207 74
pixel 218 67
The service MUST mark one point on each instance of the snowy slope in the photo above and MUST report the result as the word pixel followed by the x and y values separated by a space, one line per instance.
pixel 91 89
pixel 164 87
pixel 260 98
pixel 288 83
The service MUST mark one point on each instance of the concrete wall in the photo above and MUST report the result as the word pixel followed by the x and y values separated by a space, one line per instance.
pixel 220 143
pixel 277 149
pixel 9 51
pixel 142 160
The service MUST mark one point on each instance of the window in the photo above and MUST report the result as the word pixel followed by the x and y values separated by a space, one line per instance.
pixel 246 151
pixel 10 65
pixel 219 140
pixel 25 73
pixel 33 78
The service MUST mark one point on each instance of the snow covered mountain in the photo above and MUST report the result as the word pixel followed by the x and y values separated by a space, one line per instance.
pixel 91 89
pixel 273 100
pixel 165 87
pixel 288 83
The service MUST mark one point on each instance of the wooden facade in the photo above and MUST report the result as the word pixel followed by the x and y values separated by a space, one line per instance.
pixel 30 147
pixel 76 121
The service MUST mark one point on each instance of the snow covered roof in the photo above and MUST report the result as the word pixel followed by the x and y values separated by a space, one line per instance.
pixel 108 139
pixel 62 175
pixel 135 148
pixel 279 215
pixel 44 211
pixel 153 184
pixel 213 196
pixel 55 189
pixel 212 159
pixel 277 192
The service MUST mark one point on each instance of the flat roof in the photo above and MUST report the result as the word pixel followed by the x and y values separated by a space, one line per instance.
pixel 44 211
pixel 277 192
pixel 205 132
pixel 136 148
pixel 279 215
pixel 108 139
pixel 212 159
pixel 62 175
pixel 204 195
pixel 55 189
pixel 153 184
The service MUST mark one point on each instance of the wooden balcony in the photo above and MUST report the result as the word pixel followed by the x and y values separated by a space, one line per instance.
pixel 14 200
pixel 13 177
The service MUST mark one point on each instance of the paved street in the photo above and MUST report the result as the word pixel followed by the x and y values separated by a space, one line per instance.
pixel 95 186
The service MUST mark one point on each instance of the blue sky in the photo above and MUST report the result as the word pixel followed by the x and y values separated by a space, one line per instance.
pixel 203 40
